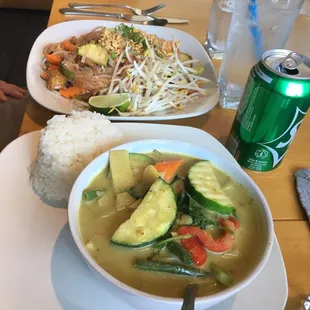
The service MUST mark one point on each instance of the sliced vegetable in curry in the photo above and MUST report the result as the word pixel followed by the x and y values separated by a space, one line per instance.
pixel 160 214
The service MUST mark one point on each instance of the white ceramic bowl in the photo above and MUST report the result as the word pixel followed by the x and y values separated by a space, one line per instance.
pixel 142 300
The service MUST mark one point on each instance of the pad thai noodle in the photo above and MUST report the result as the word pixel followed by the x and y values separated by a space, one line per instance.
pixel 153 71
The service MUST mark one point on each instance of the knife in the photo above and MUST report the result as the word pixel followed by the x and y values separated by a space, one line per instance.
pixel 173 20
pixel 133 18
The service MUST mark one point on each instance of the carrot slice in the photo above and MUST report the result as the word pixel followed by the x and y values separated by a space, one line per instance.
pixel 68 46
pixel 53 67
pixel 53 59
pixel 71 92
pixel 169 168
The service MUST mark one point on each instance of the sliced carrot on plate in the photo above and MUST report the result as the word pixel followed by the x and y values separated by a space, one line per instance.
pixel 53 59
pixel 71 92
pixel 68 46
pixel 53 67
pixel 170 168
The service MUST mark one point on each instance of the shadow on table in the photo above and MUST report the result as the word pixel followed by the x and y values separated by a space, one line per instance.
pixel 11 117
pixel 294 303
pixel 38 114
pixel 75 286
pixel 222 139
pixel 197 122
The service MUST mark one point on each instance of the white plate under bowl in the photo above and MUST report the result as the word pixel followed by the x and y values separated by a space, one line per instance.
pixel 41 268
pixel 59 32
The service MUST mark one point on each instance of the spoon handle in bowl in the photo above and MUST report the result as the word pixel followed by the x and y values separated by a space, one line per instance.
pixel 189 297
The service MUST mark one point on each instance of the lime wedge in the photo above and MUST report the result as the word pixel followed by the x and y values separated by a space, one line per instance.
pixel 106 104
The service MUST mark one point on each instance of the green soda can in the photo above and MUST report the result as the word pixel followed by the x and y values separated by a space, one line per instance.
pixel 273 105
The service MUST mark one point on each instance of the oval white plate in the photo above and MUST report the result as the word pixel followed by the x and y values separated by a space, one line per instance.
pixel 61 31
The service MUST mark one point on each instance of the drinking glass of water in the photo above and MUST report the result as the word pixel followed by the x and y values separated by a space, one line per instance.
pixel 256 26
pixel 220 18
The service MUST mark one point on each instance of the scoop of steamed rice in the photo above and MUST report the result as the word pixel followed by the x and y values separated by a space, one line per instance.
pixel 67 144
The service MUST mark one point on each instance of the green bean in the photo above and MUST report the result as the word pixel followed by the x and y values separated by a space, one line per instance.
pixel 178 251
pixel 92 194
pixel 170 268
pixel 220 275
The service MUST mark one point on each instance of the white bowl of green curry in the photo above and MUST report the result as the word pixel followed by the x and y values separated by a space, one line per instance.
pixel 138 211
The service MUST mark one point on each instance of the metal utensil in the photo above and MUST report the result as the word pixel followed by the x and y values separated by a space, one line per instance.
pixel 171 20
pixel 306 304
pixel 135 10
pixel 145 20
pixel 143 17
pixel 189 297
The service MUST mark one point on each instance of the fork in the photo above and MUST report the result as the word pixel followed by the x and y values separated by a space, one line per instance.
pixel 135 10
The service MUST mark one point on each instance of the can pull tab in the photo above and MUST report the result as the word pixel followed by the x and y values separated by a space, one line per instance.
pixel 290 63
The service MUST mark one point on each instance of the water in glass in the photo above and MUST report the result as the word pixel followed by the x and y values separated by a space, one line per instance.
pixel 275 19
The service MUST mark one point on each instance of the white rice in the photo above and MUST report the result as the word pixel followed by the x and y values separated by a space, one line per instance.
pixel 66 146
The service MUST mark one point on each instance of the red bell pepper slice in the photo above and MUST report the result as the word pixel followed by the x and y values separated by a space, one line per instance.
pixel 192 246
pixel 219 245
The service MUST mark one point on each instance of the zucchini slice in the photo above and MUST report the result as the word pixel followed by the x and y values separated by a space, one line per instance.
pixel 138 163
pixel 204 187
pixel 151 220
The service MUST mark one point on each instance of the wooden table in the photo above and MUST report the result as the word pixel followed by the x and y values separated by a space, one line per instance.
pixel 278 186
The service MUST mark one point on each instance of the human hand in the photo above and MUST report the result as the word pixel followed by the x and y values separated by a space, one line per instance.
pixel 10 90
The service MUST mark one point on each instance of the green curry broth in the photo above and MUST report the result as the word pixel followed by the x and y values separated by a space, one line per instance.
pixel 98 220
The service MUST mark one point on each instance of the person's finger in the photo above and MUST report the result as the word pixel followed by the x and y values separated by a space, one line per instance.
pixel 21 90
pixel 3 98
pixel 10 90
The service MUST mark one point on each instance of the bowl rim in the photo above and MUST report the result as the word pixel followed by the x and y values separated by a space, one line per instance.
pixel 226 292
